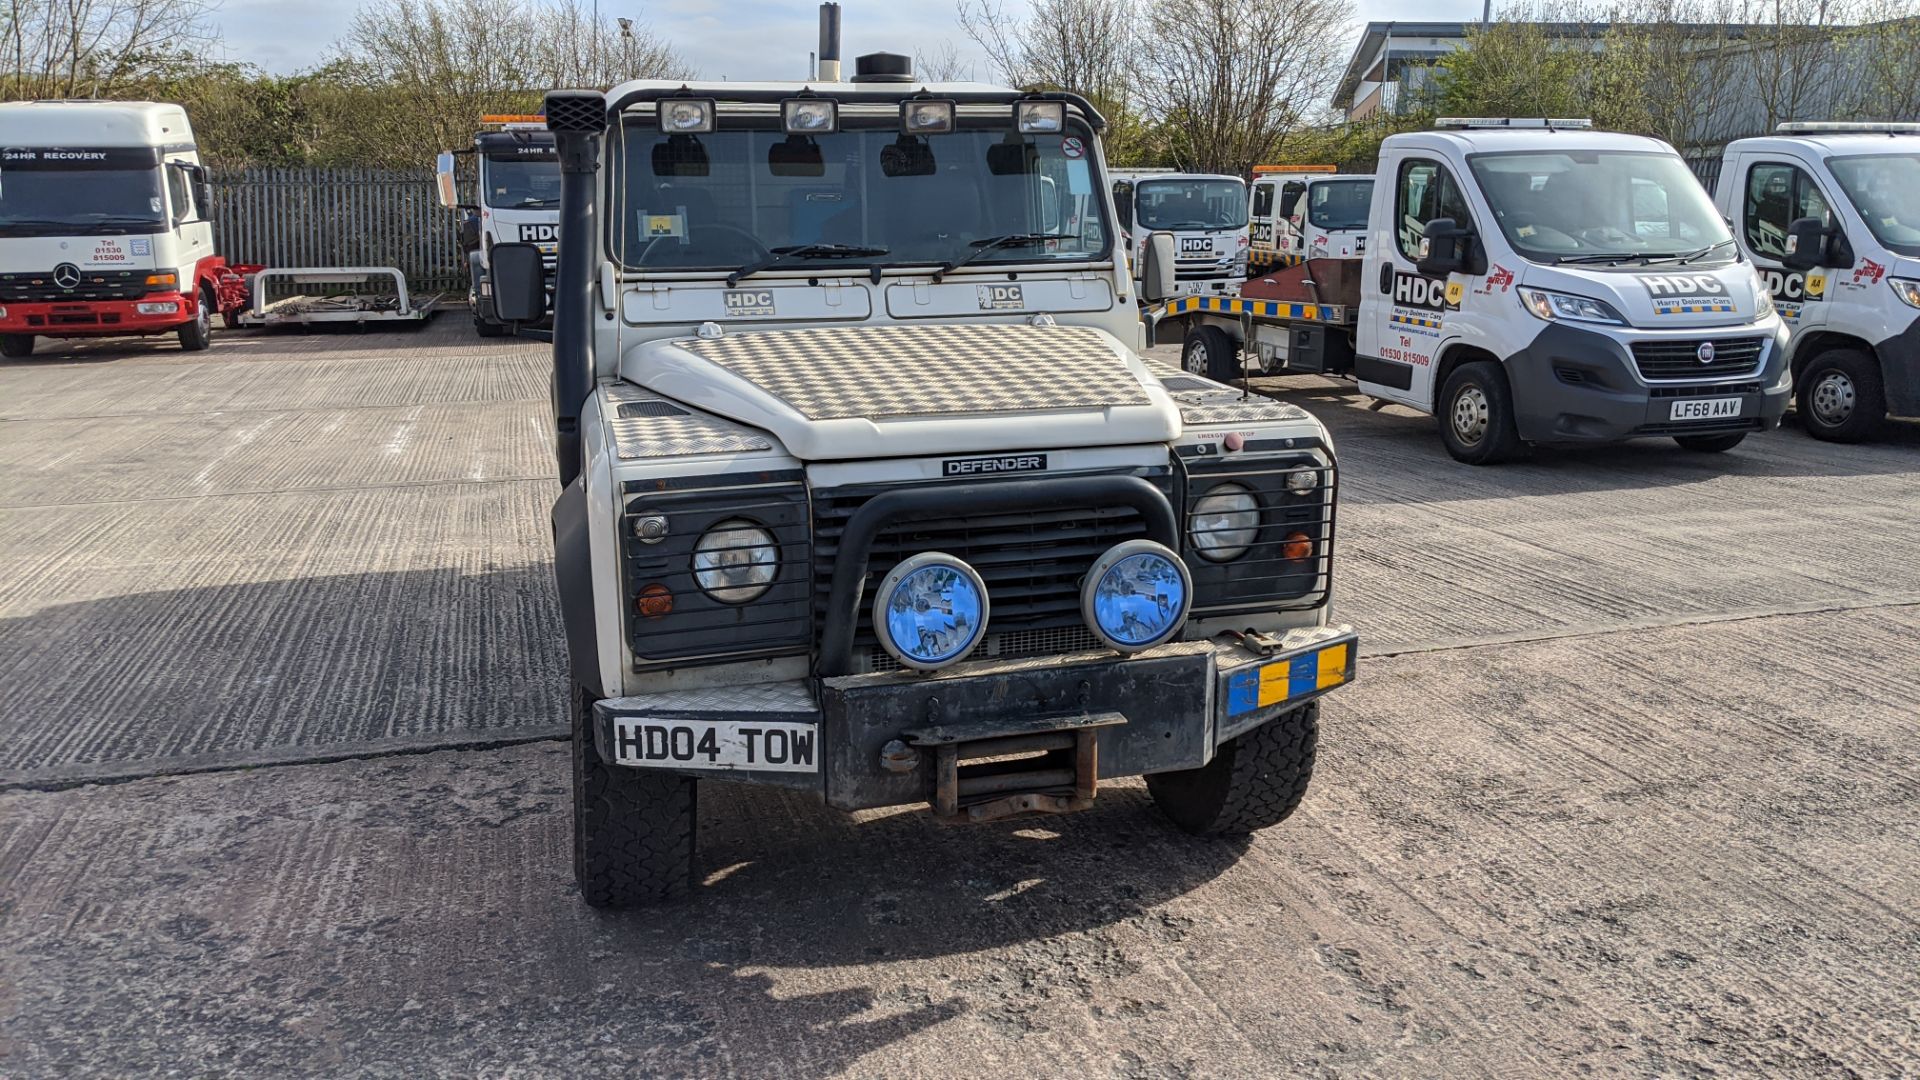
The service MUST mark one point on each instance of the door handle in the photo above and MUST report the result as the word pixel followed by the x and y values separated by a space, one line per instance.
pixel 1386 276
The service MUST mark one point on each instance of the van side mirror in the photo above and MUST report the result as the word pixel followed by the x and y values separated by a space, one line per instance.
pixel 519 283
pixel 1809 245
pixel 1156 268
pixel 1446 248
pixel 443 185
pixel 202 191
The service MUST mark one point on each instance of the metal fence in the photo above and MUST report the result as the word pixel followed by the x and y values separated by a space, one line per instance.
pixel 343 216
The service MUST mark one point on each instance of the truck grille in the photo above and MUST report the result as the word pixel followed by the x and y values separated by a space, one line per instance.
pixel 1032 563
pixel 1681 359
pixel 38 287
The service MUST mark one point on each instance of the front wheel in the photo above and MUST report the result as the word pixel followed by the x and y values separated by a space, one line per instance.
pixel 1209 352
pixel 1254 780
pixel 1475 411
pixel 198 334
pixel 633 829
pixel 1841 397
pixel 1710 444
pixel 16 346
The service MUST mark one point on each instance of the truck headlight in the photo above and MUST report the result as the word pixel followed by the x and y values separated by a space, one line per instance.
pixel 1762 299
pixel 1907 289
pixel 931 611
pixel 1224 523
pixel 686 116
pixel 1040 117
pixel 158 307
pixel 1136 596
pixel 1553 305
pixel 735 561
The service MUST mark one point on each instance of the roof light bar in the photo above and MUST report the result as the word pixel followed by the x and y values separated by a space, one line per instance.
pixel 1550 123
pixel 1848 127
pixel 512 118
pixel 1265 170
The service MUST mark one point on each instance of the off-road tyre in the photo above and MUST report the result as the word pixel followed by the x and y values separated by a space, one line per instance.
pixel 197 334
pixel 1711 444
pixel 1491 435
pixel 1209 352
pixel 16 346
pixel 1841 396
pixel 1254 780
pixel 488 329
pixel 633 829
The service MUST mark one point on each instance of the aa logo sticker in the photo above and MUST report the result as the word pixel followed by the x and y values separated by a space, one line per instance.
pixel 1816 284
pixel 1455 290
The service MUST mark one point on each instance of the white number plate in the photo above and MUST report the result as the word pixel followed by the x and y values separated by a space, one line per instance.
pixel 716 744
pixel 1713 408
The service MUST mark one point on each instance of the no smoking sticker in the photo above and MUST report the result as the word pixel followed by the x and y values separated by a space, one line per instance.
pixel 1073 148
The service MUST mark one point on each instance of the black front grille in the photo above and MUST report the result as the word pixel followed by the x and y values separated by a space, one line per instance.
pixel 1681 359
pixel 1269 576
pixel 1032 562
pixel 38 287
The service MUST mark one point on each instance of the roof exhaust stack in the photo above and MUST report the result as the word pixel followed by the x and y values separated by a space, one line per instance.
pixel 829 42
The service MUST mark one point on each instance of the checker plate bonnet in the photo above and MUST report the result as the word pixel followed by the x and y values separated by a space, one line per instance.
pixel 854 392
pixel 879 372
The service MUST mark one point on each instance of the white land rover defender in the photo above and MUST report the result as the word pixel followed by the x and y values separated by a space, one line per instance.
pixel 867 494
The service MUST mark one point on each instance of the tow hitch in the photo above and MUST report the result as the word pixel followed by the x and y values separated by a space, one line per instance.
pixel 988 771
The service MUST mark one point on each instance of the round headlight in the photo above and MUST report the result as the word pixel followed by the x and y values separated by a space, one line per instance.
pixel 931 611
pixel 735 561
pixel 1135 597
pixel 1225 523
pixel 1303 481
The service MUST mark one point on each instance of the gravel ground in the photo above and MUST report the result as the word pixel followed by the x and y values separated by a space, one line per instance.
pixel 1627 786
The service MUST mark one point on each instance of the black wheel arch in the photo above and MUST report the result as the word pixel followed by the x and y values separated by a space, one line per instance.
pixel 573 575
pixel 1450 358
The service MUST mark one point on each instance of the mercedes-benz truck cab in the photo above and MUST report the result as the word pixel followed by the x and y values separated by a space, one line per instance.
pixel 1830 213
pixel 1302 212
pixel 516 181
pixel 104 226
pixel 1206 215
pixel 1541 282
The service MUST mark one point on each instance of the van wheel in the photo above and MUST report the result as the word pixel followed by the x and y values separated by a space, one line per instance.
pixel 1208 351
pixel 1710 444
pixel 198 334
pixel 633 829
pixel 16 346
pixel 1476 414
pixel 1254 780
pixel 1841 397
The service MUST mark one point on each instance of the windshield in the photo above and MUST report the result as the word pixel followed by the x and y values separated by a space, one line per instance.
pixel 1885 189
pixel 1340 204
pixel 77 201
pixel 1176 204
pixel 1587 205
pixel 516 183
pixel 727 199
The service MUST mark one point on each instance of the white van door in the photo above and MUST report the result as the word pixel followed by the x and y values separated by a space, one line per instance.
pixel 1403 311
pixel 1774 192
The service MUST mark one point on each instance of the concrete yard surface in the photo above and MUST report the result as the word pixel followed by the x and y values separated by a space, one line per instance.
pixel 1628 784
pixel 1575 856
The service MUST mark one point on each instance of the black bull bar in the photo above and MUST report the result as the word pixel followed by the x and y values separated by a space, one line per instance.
pixel 944 501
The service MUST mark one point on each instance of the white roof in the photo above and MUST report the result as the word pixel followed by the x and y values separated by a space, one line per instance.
pixel 1835 145
pixel 1496 140
pixel 94 123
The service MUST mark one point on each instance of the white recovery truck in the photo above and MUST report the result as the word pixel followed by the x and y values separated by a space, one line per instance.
pixel 1302 212
pixel 104 226
pixel 1205 214
pixel 867 493
pixel 1526 282
pixel 1830 213
pixel 517 199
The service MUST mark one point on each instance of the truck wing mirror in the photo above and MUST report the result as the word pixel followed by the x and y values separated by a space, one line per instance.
pixel 1444 248
pixel 443 180
pixel 202 191
pixel 1811 243
pixel 519 283
pixel 1156 268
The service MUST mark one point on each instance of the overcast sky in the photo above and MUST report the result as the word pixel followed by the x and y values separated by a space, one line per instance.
pixel 737 39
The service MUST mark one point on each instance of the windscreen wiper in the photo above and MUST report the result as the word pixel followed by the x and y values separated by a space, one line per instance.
pixel 1615 257
pixel 1692 255
pixel 995 243
pixel 776 256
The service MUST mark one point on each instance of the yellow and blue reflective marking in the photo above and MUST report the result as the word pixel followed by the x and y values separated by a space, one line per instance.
pixel 1691 309
pixel 1227 305
pixel 1258 686
pixel 1414 320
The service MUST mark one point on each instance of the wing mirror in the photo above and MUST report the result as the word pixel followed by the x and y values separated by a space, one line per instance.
pixel 1813 243
pixel 1156 268
pixel 443 185
pixel 519 283
pixel 1447 248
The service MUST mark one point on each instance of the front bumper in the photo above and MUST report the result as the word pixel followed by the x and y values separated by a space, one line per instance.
pixel 1573 385
pixel 88 318
pixel 879 739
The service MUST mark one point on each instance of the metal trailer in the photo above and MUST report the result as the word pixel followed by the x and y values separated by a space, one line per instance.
pixel 1219 334
pixel 396 306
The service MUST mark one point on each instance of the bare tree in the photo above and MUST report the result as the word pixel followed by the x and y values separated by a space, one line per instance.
pixel 943 64
pixel 1229 79
pixel 100 48
pixel 1086 46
